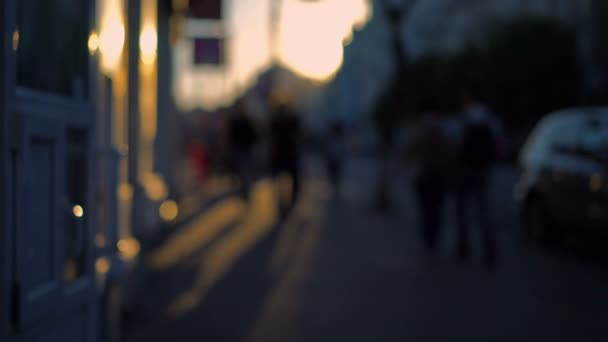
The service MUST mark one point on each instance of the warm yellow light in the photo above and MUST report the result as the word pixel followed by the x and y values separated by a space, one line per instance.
pixel 78 211
pixel 198 233
pixel 111 42
pixel 93 42
pixel 306 29
pixel 16 40
pixel 348 40
pixel 125 192
pixel 318 60
pixel 221 257
pixel 168 210
pixel 148 44
pixel 111 35
pixel 129 248
pixel 313 35
pixel 155 187
pixel 102 265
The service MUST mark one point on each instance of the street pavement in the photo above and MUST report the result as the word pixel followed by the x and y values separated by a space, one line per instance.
pixel 335 270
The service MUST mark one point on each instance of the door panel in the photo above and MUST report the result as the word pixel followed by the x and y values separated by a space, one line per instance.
pixel 50 78
pixel 38 231
pixel 76 250
pixel 66 327
pixel 561 177
pixel 39 190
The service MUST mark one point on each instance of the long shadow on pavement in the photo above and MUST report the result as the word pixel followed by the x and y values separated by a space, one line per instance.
pixel 229 308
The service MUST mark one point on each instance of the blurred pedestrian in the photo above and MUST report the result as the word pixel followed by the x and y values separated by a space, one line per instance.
pixel 479 143
pixel 242 137
pixel 286 137
pixel 200 161
pixel 335 150
pixel 430 149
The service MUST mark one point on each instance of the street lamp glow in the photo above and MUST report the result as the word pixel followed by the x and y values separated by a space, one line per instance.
pixel 129 248
pixel 111 41
pixel 78 211
pixel 148 44
pixel 93 42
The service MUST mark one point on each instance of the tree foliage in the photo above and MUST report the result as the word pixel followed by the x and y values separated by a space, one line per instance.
pixel 532 68
pixel 523 68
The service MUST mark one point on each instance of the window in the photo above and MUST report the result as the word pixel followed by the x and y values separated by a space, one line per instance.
pixel 52 52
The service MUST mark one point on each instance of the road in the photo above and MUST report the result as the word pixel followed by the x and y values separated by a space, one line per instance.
pixel 336 271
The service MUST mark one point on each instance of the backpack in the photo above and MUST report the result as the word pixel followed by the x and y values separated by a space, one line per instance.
pixel 478 145
pixel 431 148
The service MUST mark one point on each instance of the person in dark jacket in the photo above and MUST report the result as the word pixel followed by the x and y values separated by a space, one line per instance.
pixel 481 134
pixel 286 137
pixel 430 150
pixel 335 151
pixel 242 137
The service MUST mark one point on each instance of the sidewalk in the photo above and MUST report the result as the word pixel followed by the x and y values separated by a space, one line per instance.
pixel 188 207
pixel 336 271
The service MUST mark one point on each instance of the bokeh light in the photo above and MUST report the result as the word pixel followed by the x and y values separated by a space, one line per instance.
pixel 310 43
pixel 111 35
pixel 313 34
pixel 168 210
pixel 78 211
pixel 147 44
pixel 93 42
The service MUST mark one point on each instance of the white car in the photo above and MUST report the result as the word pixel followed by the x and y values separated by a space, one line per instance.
pixel 564 182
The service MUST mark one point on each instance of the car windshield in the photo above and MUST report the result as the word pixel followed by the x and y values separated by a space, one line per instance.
pixel 560 130
pixel 594 140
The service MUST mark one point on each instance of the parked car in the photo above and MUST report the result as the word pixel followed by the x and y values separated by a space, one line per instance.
pixel 563 187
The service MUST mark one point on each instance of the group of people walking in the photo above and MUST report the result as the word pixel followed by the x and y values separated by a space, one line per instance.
pixel 453 155
pixel 280 136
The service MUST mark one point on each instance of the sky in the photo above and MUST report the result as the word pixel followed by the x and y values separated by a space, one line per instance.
pixel 310 42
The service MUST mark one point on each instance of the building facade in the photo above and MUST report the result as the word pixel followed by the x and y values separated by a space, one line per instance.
pixel 85 152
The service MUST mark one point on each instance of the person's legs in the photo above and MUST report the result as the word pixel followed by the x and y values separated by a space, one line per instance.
pixel 423 213
pixel 289 168
pixel 242 175
pixel 277 172
pixel 333 171
pixel 482 206
pixel 294 172
pixel 435 211
pixel 430 202
pixel 246 173
pixel 462 196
